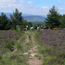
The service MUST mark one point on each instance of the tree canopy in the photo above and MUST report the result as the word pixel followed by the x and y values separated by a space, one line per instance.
pixel 16 18
pixel 53 18
pixel 3 22
pixel 62 21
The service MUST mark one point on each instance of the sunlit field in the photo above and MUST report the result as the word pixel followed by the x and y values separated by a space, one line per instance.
pixel 10 48
pixel 50 43
pixel 52 46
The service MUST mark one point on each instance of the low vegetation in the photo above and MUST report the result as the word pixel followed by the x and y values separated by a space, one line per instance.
pixel 50 43
pixel 52 46
pixel 12 47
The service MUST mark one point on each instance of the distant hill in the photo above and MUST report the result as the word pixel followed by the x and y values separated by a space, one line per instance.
pixel 35 19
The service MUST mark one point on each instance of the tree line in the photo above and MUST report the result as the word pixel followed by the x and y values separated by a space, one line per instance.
pixel 53 19
pixel 16 21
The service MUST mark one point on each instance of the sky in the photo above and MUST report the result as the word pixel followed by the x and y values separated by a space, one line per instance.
pixel 34 7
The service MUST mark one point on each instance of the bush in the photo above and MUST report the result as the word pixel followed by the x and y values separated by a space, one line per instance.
pixel 54 28
pixel 10 44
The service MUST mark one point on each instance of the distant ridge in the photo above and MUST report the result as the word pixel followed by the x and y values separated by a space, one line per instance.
pixel 30 18
pixel 34 18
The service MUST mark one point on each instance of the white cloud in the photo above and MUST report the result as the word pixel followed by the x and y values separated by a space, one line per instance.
pixel 29 2
pixel 63 3
pixel 10 5
pixel 59 1
pixel 61 11
pixel 45 7
pixel 61 8
pixel 46 1
pixel 35 10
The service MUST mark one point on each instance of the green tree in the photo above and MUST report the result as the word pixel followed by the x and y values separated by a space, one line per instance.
pixel 30 24
pixel 3 22
pixel 24 23
pixel 53 18
pixel 39 24
pixel 16 18
pixel 62 21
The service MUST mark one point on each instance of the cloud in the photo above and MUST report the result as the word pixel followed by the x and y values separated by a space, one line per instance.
pixel 45 7
pixel 61 8
pixel 35 10
pixel 11 3
pixel 61 11
pixel 59 1
pixel 29 2
pixel 25 7
pixel 63 3
pixel 46 1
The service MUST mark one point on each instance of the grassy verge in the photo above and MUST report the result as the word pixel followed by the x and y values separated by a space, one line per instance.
pixel 12 52
pixel 51 46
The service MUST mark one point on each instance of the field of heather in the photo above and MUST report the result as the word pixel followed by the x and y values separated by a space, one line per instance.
pixel 52 46
pixel 6 35
pixel 7 39
pixel 13 45
pixel 8 44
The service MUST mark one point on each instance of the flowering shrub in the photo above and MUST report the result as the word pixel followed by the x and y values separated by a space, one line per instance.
pixel 19 29
pixel 53 44
pixel 8 39
pixel 54 28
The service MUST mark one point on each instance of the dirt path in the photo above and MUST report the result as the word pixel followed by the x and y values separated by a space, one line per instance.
pixel 33 51
pixel 27 39
pixel 32 59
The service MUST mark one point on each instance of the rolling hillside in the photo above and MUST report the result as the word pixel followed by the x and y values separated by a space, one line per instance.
pixel 35 19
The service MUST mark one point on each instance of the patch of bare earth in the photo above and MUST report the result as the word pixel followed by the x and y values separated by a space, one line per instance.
pixel 32 59
pixel 27 39
pixel 33 51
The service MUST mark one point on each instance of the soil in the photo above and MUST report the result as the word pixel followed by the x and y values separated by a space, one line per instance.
pixel 27 39
pixel 32 59
pixel 33 51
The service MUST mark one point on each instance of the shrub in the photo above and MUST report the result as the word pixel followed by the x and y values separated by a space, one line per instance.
pixel 54 28
pixel 10 44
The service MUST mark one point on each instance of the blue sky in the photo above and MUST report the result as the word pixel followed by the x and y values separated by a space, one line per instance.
pixel 35 7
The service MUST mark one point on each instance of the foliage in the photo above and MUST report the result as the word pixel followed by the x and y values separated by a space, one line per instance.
pixel 54 28
pixel 13 46
pixel 30 24
pixel 7 40
pixel 13 59
pixel 16 19
pixel 52 46
pixel 39 24
pixel 24 23
pixel 53 18
pixel 4 22
pixel 62 21
pixel 10 44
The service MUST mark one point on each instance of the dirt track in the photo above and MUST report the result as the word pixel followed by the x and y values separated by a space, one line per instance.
pixel 33 51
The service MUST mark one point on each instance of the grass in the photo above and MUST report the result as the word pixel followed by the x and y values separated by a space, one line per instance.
pixel 8 56
pixel 13 59
pixel 51 46
pixel 50 49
